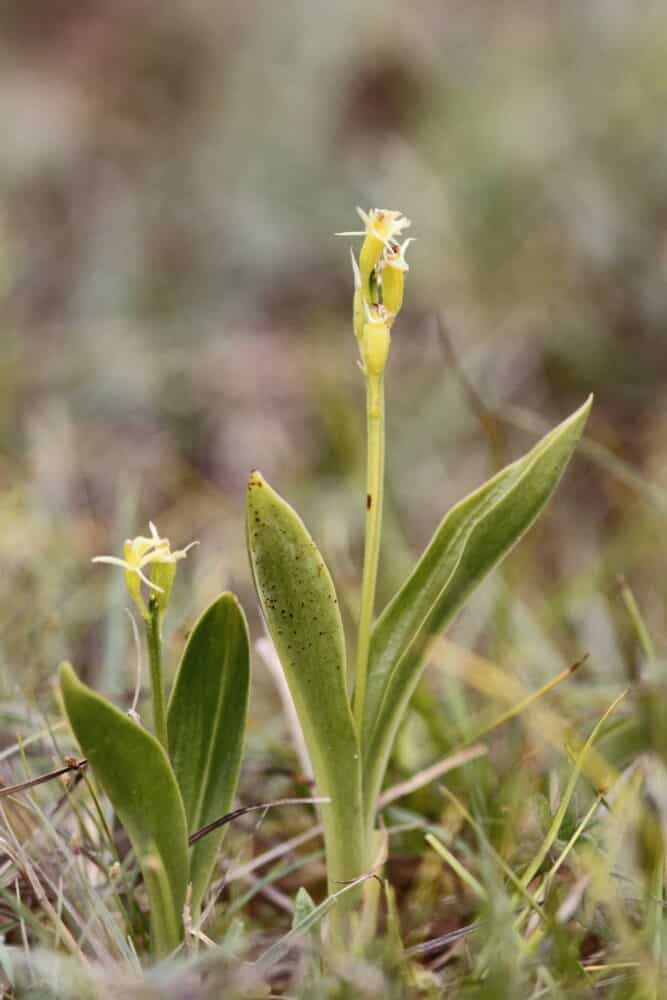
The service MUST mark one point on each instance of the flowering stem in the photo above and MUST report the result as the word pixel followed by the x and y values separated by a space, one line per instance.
pixel 154 643
pixel 374 489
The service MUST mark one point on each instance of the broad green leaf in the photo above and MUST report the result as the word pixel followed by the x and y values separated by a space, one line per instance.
pixel 473 538
pixel 206 722
pixel 135 773
pixel 301 610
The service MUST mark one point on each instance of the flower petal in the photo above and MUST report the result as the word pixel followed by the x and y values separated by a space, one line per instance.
pixel 113 561
pixel 355 269
pixel 149 583
pixel 158 553
pixel 365 216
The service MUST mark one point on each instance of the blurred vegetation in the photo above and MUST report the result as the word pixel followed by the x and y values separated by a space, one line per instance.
pixel 175 311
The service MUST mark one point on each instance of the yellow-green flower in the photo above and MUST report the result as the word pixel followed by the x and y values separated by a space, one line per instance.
pixel 140 552
pixel 383 225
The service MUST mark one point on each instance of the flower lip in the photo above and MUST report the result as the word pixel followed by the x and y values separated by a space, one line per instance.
pixel 383 223
pixel 394 254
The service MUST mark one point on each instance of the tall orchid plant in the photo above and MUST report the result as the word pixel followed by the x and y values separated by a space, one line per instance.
pixel 350 736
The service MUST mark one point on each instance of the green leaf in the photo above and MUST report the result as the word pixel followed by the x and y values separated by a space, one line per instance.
pixel 306 923
pixel 134 771
pixel 206 723
pixel 473 538
pixel 303 908
pixel 301 611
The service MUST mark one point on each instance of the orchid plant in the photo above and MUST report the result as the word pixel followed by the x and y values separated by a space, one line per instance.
pixel 166 787
pixel 350 736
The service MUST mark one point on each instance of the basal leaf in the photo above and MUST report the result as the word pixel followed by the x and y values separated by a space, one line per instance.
pixel 135 773
pixel 206 722
pixel 301 610
pixel 472 539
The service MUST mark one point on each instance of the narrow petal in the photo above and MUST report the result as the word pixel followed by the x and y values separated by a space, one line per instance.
pixel 149 583
pixel 137 548
pixel 158 553
pixel 182 553
pixel 355 269
pixel 113 561
pixel 171 557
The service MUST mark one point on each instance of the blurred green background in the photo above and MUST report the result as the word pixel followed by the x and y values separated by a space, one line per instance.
pixel 176 309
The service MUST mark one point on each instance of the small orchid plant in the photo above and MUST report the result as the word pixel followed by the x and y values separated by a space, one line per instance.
pixel 169 788
pixel 165 787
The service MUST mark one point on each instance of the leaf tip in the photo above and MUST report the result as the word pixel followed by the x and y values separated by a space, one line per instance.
pixel 577 420
pixel 66 675
pixel 255 479
pixel 581 415
pixel 229 597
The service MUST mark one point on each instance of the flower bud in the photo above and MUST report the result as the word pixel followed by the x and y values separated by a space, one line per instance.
pixel 376 340
pixel 394 267
pixel 162 577
pixel 392 289
pixel 358 314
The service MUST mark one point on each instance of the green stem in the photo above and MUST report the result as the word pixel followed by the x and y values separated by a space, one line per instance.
pixel 154 643
pixel 346 854
pixel 374 490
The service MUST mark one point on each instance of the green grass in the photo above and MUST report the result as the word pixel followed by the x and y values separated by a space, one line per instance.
pixel 550 883
pixel 533 870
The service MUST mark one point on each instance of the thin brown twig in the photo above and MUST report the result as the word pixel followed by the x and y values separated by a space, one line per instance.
pixel 242 810
pixel 361 878
pixel 71 765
